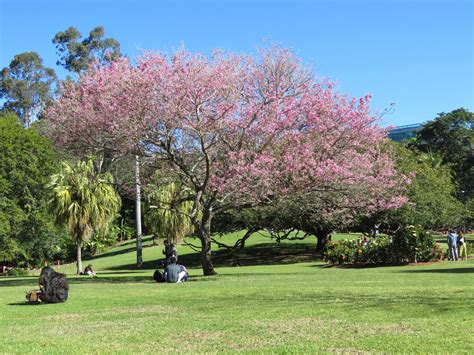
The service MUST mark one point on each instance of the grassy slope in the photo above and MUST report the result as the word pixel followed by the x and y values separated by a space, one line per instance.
pixel 274 307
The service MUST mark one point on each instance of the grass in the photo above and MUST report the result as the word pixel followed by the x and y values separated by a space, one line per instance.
pixel 281 302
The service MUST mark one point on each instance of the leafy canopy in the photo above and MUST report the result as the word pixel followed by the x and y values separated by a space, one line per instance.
pixel 451 135
pixel 26 86
pixel 75 54
pixel 169 213
pixel 83 201
pixel 26 162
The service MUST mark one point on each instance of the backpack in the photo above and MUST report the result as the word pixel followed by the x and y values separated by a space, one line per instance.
pixel 158 276
pixel 33 296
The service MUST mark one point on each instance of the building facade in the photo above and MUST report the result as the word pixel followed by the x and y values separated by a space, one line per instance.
pixel 401 133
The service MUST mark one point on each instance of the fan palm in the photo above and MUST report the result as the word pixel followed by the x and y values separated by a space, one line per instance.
pixel 83 201
pixel 170 215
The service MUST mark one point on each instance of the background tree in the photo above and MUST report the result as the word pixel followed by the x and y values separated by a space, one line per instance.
pixel 234 130
pixel 169 210
pixel 26 86
pixel 76 55
pixel 27 234
pixel 451 136
pixel 432 194
pixel 83 201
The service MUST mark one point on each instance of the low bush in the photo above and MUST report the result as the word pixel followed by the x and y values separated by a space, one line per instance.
pixel 408 244
pixel 99 242
pixel 16 271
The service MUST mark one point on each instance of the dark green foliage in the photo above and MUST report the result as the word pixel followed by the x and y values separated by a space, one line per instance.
pixel 433 201
pixel 412 244
pixel 432 192
pixel 26 85
pixel 75 54
pixel 17 272
pixel 408 244
pixel 99 242
pixel 451 135
pixel 27 235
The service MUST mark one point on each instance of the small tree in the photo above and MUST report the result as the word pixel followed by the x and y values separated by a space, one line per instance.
pixel 83 202
pixel 168 213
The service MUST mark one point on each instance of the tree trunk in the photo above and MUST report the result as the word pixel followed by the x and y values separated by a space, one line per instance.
pixel 322 236
pixel 203 229
pixel 79 258
pixel 138 213
pixel 206 260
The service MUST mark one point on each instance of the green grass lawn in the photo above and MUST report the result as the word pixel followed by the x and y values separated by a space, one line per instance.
pixel 281 300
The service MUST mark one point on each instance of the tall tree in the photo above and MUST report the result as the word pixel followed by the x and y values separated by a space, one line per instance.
pixel 234 130
pixel 26 86
pixel 451 135
pixel 83 201
pixel 76 55
pixel 27 159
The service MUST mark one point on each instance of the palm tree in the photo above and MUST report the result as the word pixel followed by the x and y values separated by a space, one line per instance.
pixel 169 215
pixel 83 201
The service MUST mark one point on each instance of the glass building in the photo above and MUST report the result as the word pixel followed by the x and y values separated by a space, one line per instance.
pixel 400 133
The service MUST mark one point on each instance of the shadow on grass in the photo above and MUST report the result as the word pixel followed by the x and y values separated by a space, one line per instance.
pixel 132 247
pixel 261 254
pixel 26 304
pixel 31 281
pixel 465 270
pixel 110 253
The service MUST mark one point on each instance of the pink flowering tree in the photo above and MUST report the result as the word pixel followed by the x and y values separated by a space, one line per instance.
pixel 236 131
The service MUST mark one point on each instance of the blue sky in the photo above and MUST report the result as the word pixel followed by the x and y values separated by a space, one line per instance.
pixel 418 54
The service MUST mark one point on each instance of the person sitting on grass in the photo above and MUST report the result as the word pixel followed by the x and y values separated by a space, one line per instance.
pixel 175 273
pixel 89 271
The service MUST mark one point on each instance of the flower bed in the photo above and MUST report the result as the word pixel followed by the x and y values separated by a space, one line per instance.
pixel 408 244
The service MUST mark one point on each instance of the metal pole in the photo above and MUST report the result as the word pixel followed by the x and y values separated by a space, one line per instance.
pixel 138 213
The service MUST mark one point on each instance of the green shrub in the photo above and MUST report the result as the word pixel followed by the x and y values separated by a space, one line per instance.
pixel 376 251
pixel 409 244
pixel 413 244
pixel 16 271
pixel 99 242
pixel 340 252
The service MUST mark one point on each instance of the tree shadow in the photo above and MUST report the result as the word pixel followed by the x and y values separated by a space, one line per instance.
pixel 261 254
pixel 26 304
pixel 466 270
pixel 112 279
pixel 110 253
pixel 24 281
